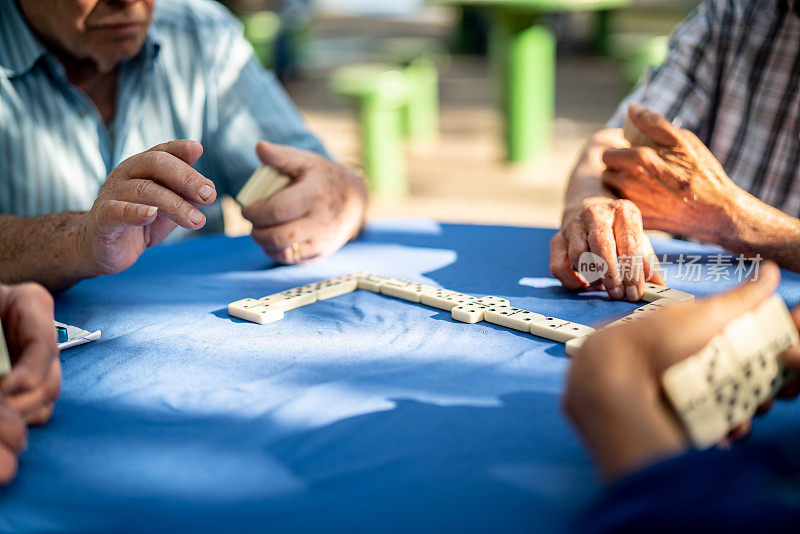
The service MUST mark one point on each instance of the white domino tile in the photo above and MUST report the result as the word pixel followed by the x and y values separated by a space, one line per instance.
pixel 372 282
pixel 409 291
pixel 775 323
pixel 653 292
pixel 264 182
pixel 468 313
pixel 491 300
pixel 255 313
pixel 295 297
pixel 445 299
pixel 334 287
pixel 5 358
pixel 559 329
pixel 574 345
pixel 633 135
pixel 655 306
pixel 511 317
pixel 693 400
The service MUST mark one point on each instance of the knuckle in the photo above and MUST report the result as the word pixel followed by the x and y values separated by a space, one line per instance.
pixel 151 159
pixel 144 188
pixel 576 249
pixel 626 208
pixel 129 211
pixel 43 415
pixel 192 178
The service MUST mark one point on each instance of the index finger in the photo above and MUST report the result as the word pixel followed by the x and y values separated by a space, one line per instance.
pixel 172 173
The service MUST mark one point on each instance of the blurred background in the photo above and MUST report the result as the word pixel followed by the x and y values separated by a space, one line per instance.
pixel 464 111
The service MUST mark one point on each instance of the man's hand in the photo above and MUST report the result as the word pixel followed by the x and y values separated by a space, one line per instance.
pixel 614 383
pixel 34 383
pixel 13 440
pixel 319 212
pixel 679 185
pixel 611 229
pixel 141 202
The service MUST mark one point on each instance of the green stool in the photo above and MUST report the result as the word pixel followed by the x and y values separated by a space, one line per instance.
pixel 523 56
pixel 261 30
pixel 379 92
pixel 636 52
pixel 420 58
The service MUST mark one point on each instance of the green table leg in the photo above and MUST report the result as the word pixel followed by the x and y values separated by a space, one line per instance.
pixel 524 57
pixel 383 157
pixel 422 107
pixel 602 31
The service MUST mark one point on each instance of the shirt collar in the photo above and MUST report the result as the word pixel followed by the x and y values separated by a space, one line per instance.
pixel 19 48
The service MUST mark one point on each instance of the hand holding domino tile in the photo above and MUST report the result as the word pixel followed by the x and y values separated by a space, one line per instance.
pixel 683 375
pixel 307 207
pixel 680 187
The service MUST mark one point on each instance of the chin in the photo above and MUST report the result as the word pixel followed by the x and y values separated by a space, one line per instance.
pixel 118 50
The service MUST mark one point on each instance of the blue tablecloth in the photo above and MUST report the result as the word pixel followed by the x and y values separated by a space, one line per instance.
pixel 360 413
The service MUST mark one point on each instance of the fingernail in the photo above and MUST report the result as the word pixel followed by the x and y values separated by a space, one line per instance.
pixel 206 191
pixel 633 293
pixel 616 293
pixel 195 216
pixel 151 211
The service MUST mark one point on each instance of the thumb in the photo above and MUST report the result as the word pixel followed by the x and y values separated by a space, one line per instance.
pixel 653 126
pixel 184 149
pixel 114 216
pixel 285 159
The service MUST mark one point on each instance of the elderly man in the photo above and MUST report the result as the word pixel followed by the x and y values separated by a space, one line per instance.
pixel 731 82
pixel 87 87
pixel 656 483
pixel 28 393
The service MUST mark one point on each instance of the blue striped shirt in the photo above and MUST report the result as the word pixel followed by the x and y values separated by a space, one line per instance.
pixel 195 78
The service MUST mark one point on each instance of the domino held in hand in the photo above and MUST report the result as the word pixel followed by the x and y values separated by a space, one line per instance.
pixel 722 385
pixel 5 359
pixel 263 183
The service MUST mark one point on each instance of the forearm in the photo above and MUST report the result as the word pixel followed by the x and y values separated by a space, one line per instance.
pixel 760 229
pixel 43 249
pixel 585 180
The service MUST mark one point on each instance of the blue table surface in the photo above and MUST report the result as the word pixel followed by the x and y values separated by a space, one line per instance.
pixel 359 413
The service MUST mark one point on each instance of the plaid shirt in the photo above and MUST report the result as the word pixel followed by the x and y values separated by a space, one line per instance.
pixel 732 76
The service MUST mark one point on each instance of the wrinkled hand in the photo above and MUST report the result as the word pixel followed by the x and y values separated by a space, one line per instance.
pixel 679 185
pixel 141 202
pixel 611 229
pixel 614 384
pixel 320 211
pixel 34 383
